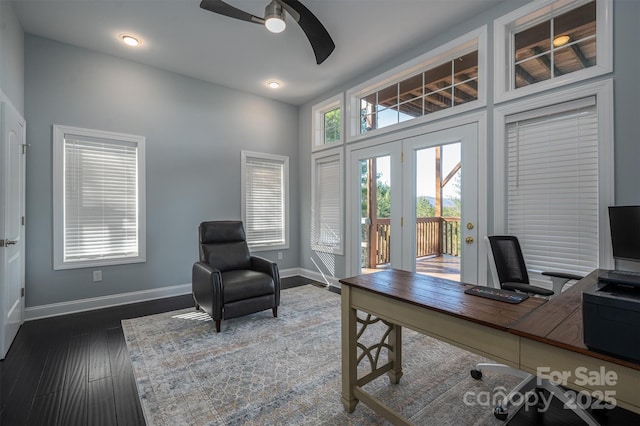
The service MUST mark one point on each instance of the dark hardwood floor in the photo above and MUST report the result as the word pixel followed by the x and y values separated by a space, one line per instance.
pixel 75 370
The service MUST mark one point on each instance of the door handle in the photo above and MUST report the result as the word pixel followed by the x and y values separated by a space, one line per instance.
pixel 7 243
pixel 468 240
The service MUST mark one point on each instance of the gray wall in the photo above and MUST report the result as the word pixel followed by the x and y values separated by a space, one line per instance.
pixel 627 115
pixel 11 56
pixel 194 134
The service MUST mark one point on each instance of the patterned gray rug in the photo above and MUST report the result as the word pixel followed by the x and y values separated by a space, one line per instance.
pixel 262 370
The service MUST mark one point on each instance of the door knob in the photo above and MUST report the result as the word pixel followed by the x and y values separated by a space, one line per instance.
pixel 469 225
pixel 468 240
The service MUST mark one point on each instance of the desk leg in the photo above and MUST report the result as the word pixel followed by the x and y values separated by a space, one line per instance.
pixel 395 354
pixel 349 352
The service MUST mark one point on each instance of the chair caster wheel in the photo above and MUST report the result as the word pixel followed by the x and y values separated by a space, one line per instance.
pixel 476 374
pixel 500 413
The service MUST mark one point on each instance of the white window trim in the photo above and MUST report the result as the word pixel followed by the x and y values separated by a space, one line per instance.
pixel 315 158
pixel 476 39
pixel 533 13
pixel 272 157
pixel 603 91
pixel 59 133
pixel 318 112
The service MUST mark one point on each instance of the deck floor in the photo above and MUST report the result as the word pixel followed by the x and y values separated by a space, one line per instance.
pixel 444 266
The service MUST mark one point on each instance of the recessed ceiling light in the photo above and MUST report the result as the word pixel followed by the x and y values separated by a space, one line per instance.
pixel 130 40
pixel 273 84
pixel 561 40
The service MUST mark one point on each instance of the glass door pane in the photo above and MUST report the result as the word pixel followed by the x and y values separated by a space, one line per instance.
pixel 438 209
pixel 440 206
pixel 374 208
pixel 375 213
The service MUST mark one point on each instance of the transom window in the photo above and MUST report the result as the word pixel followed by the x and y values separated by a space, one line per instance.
pixel 557 46
pixel 549 43
pixel 452 83
pixel 327 123
pixel 448 80
pixel 332 125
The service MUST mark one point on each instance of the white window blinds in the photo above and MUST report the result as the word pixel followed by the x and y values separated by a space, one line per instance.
pixel 327 205
pixel 552 193
pixel 265 200
pixel 98 198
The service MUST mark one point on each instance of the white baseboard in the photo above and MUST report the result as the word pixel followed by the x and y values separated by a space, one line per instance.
pixel 321 278
pixel 291 272
pixel 71 307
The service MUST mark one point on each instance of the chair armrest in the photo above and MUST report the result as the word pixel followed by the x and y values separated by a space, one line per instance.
pixel 527 288
pixel 261 264
pixel 563 275
pixel 270 268
pixel 206 285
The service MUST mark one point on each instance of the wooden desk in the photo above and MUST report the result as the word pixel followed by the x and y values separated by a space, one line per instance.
pixel 552 337
pixel 525 336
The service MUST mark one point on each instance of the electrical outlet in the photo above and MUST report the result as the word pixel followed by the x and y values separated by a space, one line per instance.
pixel 280 255
pixel 97 276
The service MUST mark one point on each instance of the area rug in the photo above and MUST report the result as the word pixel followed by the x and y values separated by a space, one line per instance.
pixel 262 370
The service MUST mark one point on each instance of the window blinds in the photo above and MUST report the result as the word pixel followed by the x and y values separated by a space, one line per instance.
pixel 100 199
pixel 327 205
pixel 552 193
pixel 264 201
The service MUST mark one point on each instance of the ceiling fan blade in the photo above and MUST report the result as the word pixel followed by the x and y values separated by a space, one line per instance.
pixel 317 34
pixel 218 6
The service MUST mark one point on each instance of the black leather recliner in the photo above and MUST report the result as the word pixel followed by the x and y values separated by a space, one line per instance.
pixel 228 282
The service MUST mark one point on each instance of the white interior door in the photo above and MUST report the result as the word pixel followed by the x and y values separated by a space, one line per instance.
pixel 12 194
pixel 440 209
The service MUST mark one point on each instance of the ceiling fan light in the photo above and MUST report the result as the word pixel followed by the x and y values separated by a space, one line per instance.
pixel 274 18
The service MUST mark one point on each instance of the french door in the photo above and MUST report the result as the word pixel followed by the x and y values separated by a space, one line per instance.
pixel 413 205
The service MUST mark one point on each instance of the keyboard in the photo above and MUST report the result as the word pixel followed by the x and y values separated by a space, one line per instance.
pixel 613 276
pixel 497 294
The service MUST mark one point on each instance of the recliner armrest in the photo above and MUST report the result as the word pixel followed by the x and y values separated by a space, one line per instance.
pixel 270 268
pixel 206 284
pixel 527 288
pixel 261 264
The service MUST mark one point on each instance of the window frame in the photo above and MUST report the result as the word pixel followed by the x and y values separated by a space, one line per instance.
pixel 532 14
pixel 59 133
pixel 316 159
pixel 473 40
pixel 603 92
pixel 318 126
pixel 284 160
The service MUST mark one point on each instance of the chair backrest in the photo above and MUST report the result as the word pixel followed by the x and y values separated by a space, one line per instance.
pixel 506 259
pixel 223 245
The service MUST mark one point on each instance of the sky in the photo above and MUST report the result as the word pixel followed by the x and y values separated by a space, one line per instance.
pixel 425 159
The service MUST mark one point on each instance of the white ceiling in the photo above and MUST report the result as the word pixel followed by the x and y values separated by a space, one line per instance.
pixel 179 36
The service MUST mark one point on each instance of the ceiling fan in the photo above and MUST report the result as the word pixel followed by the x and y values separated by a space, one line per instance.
pixel 274 21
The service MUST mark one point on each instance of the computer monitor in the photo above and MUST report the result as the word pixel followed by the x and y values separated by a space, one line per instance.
pixel 625 232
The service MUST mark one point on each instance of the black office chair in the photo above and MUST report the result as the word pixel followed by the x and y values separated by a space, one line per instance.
pixel 228 281
pixel 510 272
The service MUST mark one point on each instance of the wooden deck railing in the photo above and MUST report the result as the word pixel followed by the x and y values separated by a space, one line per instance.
pixel 435 236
